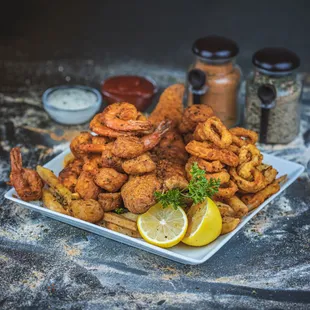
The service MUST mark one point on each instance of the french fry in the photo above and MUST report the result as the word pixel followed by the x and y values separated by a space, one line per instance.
pixel 229 224
pixel 51 202
pixel 120 221
pixel 130 216
pixel 122 230
pixel 65 196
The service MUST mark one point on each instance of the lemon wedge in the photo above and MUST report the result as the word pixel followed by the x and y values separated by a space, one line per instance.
pixel 204 223
pixel 164 227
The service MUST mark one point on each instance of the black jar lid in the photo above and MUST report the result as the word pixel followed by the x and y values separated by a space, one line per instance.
pixel 276 59
pixel 215 48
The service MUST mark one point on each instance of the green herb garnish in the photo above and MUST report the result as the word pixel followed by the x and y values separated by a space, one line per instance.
pixel 199 188
pixel 172 197
pixel 120 210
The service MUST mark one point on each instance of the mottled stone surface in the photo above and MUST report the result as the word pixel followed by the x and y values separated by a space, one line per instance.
pixel 45 264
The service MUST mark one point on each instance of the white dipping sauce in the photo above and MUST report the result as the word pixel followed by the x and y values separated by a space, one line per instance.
pixel 72 99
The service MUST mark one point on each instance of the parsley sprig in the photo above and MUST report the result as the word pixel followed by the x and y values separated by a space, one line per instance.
pixel 172 197
pixel 198 189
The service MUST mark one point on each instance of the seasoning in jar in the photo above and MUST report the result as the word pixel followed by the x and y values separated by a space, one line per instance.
pixel 136 90
pixel 274 67
pixel 215 56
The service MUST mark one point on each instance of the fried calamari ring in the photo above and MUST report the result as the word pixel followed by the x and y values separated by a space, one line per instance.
pixel 227 190
pixel 269 173
pixel 208 166
pixel 254 200
pixel 234 148
pixel 240 209
pixel 194 115
pixel 250 154
pixel 249 157
pixel 254 185
pixel 203 150
pixel 215 131
pixel 229 224
pixel 199 133
pixel 223 176
pixel 242 136
pixel 225 209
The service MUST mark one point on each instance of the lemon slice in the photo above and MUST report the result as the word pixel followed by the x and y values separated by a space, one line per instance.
pixel 204 223
pixel 164 227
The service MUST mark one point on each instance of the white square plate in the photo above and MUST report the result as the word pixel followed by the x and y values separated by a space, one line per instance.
pixel 180 253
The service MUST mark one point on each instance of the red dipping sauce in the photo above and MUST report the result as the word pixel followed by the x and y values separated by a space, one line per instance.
pixel 134 89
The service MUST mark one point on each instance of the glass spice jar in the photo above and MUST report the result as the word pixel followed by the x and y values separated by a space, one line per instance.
pixel 215 56
pixel 278 120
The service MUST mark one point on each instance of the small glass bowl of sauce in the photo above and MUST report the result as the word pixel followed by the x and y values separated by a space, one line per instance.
pixel 137 90
pixel 71 104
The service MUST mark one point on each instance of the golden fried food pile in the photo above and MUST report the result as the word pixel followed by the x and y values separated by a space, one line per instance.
pixel 232 157
pixel 116 167
pixel 131 157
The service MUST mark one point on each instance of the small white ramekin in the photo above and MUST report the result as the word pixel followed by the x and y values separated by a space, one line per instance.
pixel 67 116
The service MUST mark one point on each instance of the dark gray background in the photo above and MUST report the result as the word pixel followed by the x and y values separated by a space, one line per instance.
pixel 159 32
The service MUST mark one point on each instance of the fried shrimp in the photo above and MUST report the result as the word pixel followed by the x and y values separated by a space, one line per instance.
pixel 171 147
pixel 69 175
pixel 205 151
pixel 110 201
pixel 26 182
pixel 194 115
pixel 214 130
pixel 123 116
pixel 171 174
pixel 109 179
pixel 138 192
pixel 109 160
pixel 92 163
pixel 83 144
pixel 139 165
pixel 86 187
pixel 99 128
pixel 131 147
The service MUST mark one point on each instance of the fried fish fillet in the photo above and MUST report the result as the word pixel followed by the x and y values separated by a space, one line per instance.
pixel 170 105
